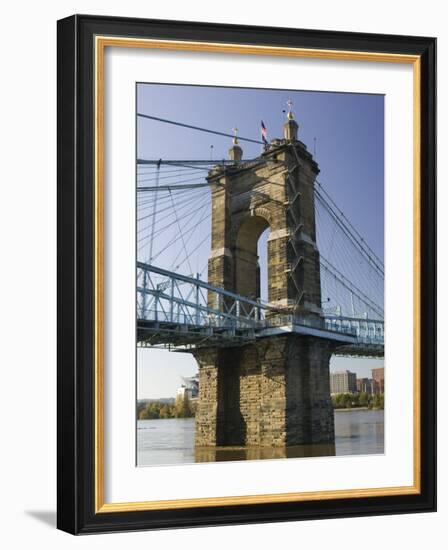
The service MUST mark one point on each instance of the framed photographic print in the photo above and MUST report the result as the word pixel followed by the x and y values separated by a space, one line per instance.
pixel 246 274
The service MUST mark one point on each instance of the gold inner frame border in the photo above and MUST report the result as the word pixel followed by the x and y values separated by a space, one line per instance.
pixel 101 42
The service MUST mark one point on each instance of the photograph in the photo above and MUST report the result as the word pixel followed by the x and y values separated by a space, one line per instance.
pixel 260 274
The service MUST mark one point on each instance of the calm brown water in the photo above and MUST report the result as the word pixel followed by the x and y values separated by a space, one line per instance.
pixel 171 441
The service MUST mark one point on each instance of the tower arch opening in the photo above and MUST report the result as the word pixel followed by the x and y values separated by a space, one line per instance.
pixel 262 251
pixel 247 266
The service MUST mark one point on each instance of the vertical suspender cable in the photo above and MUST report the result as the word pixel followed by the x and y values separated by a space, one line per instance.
pixel 154 211
pixel 151 241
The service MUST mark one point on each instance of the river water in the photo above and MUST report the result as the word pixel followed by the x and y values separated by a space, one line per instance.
pixel 171 441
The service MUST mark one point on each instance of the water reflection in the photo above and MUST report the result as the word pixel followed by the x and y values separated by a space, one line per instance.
pixel 171 441
pixel 218 454
pixel 359 432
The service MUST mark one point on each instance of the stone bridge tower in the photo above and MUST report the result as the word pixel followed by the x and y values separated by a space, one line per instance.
pixel 275 392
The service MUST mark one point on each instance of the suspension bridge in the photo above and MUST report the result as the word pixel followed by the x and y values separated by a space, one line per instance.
pixel 241 254
pixel 174 309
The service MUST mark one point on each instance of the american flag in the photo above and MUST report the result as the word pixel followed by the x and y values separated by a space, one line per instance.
pixel 264 133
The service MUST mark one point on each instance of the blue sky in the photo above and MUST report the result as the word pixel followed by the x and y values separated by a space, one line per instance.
pixel 346 131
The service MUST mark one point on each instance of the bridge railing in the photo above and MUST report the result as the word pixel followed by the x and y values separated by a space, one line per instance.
pixel 366 331
pixel 164 296
pixel 169 298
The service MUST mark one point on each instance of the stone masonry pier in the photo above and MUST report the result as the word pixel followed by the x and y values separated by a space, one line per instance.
pixel 274 393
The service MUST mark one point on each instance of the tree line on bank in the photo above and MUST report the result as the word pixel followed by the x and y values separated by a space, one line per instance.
pixel 181 408
pixel 356 400
pixel 186 408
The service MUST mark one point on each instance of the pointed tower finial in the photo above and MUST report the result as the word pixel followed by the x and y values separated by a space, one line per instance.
pixel 235 152
pixel 290 128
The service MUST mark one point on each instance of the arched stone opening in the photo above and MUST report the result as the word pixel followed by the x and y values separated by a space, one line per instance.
pixel 262 251
pixel 247 269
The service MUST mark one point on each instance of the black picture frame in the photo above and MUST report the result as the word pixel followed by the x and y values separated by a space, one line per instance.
pixel 76 275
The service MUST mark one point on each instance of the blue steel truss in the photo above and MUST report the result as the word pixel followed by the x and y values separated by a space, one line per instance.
pixel 181 312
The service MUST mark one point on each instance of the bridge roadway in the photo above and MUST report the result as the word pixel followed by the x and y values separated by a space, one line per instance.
pixel 180 313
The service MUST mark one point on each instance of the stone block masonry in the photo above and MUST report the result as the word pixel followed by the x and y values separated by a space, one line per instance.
pixel 274 393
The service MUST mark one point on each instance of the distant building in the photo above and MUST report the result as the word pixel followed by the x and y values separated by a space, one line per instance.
pixel 343 382
pixel 378 380
pixel 189 388
pixel 364 385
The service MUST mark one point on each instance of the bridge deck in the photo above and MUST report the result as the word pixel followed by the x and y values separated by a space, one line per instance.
pixel 180 312
pixel 189 336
